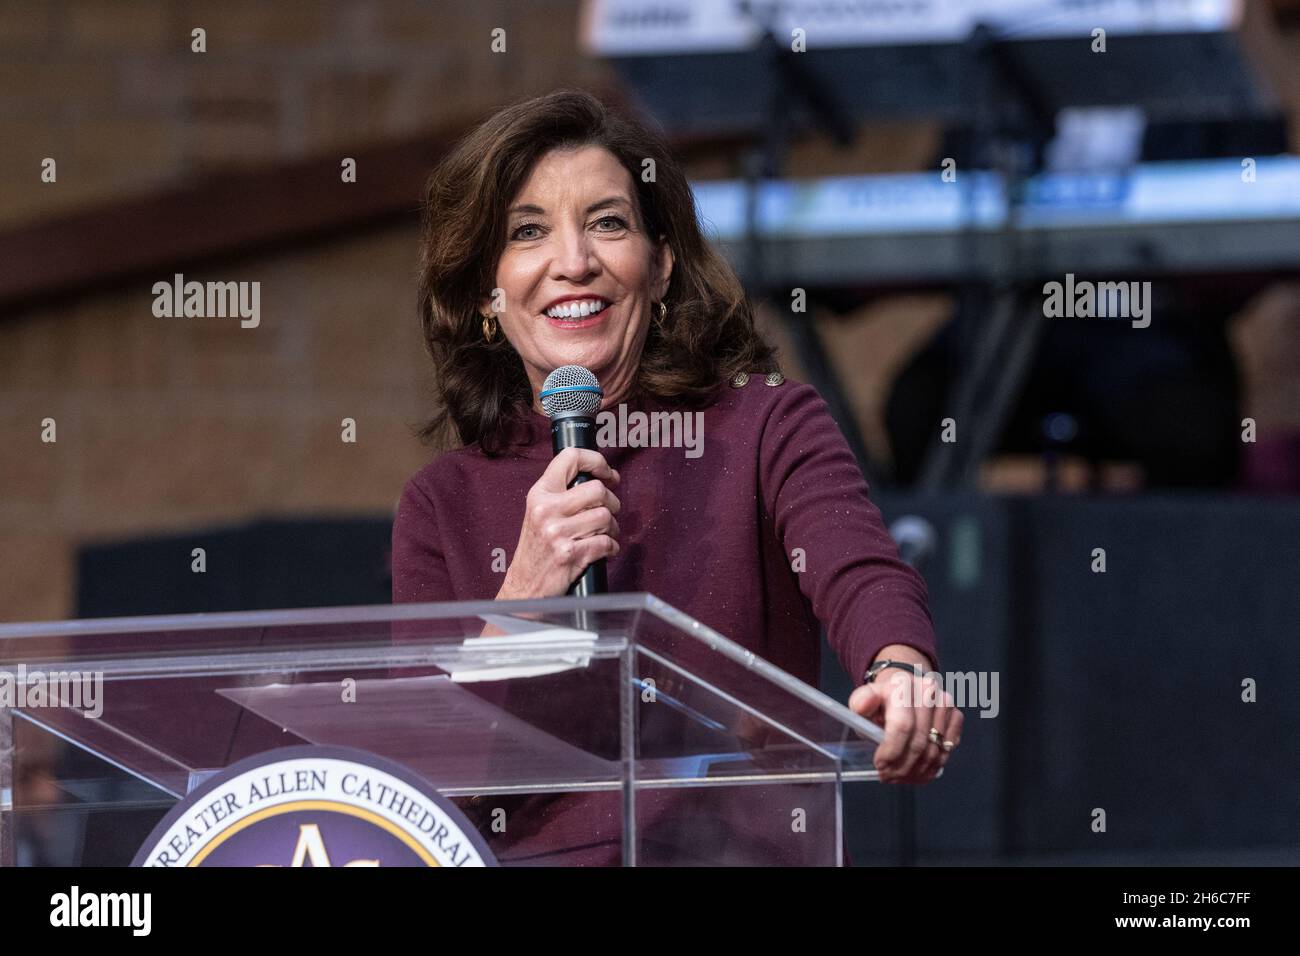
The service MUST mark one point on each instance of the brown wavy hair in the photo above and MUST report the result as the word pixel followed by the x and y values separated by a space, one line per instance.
pixel 481 388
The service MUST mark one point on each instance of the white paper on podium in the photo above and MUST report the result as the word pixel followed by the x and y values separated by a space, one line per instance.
pixel 500 657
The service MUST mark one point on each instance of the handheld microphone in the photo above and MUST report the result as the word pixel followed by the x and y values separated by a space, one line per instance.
pixel 571 397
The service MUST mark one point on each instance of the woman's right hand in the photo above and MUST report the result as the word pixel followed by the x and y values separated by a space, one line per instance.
pixel 565 529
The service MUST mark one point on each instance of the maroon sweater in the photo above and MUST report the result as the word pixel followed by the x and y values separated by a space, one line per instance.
pixel 716 536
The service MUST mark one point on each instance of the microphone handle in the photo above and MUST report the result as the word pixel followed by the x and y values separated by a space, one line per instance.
pixel 576 430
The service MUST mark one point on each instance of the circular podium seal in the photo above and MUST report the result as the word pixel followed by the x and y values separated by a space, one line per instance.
pixel 314 806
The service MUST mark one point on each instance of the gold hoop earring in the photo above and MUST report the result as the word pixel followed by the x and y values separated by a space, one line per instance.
pixel 663 314
pixel 489 327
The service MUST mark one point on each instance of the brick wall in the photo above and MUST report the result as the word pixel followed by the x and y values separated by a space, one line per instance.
pixel 112 91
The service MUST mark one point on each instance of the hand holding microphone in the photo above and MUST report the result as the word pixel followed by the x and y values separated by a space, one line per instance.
pixel 569 523
pixel 565 529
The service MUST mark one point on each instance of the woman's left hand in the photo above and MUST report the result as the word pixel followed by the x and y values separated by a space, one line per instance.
pixel 908 707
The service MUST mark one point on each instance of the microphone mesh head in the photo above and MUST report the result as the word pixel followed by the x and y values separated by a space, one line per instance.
pixel 571 388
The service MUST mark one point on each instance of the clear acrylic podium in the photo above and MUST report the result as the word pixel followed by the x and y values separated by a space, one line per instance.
pixel 570 731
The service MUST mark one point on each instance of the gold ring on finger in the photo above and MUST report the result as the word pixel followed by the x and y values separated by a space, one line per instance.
pixel 948 745
pixel 935 736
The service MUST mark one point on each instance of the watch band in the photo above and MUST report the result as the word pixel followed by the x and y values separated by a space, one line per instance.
pixel 879 666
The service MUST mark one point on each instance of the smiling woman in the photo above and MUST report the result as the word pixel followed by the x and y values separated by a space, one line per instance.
pixel 560 233
pixel 587 266
pixel 556 200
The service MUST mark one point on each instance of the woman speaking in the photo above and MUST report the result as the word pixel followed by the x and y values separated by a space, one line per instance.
pixel 560 232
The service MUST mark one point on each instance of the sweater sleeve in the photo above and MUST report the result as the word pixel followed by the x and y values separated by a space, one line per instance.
pixel 419 566
pixel 862 592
